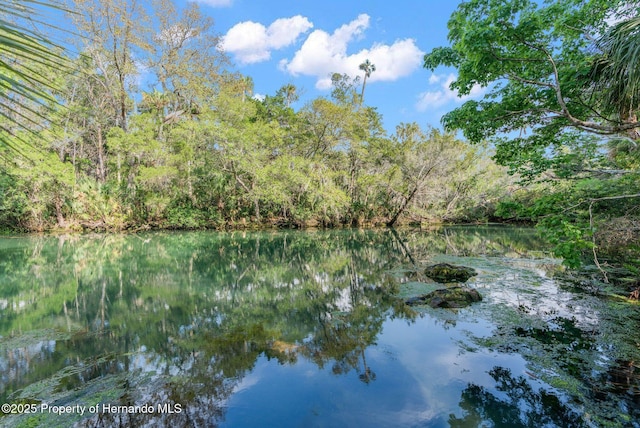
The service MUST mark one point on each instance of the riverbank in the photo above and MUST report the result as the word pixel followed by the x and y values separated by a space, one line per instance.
pixel 242 224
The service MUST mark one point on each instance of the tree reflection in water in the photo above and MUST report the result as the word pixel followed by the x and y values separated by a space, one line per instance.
pixel 519 405
pixel 184 318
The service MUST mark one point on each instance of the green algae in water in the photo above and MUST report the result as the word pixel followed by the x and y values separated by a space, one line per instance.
pixel 253 328
pixel 416 288
pixel 33 338
pixel 566 356
pixel 106 389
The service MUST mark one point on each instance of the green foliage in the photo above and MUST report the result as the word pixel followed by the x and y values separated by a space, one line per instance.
pixel 571 240
pixel 195 149
pixel 560 107
pixel 13 203
pixel 97 205
pixel 510 210
pixel 199 151
pixel 565 213
pixel 615 71
pixel 40 181
pixel 182 215
pixel 534 59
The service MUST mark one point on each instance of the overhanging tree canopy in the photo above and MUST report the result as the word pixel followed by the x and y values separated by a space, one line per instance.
pixel 538 62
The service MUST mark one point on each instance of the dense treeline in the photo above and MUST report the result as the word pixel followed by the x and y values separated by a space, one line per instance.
pixel 151 126
pixel 154 128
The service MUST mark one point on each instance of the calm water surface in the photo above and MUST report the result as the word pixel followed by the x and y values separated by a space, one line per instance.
pixel 304 329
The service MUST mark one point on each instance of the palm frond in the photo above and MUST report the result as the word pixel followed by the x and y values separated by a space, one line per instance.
pixel 617 70
pixel 25 93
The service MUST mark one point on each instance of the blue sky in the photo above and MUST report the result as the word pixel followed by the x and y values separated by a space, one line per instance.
pixel 302 41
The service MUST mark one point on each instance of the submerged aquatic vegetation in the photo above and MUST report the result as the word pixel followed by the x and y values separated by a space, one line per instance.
pixel 298 325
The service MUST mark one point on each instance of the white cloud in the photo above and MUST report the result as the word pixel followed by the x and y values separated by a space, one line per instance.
pixel 252 42
pixel 284 31
pixel 431 100
pixel 435 78
pixel 323 53
pixel 142 71
pixel 215 3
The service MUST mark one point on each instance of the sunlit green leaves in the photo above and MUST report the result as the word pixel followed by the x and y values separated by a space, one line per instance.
pixel 26 57
pixel 533 58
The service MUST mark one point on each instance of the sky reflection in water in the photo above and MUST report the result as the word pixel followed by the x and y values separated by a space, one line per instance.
pixel 419 375
pixel 306 329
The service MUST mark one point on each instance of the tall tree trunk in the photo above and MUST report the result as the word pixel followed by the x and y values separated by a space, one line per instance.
pixel 190 184
pixel 123 102
pixel 256 204
pixel 100 149
pixel 394 219
pixel 364 83
pixel 119 164
pixel 57 202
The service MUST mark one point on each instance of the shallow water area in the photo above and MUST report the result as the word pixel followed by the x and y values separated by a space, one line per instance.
pixel 295 328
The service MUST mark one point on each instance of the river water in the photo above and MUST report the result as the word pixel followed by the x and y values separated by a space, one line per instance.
pixel 306 329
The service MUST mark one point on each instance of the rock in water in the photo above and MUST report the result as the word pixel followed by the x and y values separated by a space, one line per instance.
pixel 452 297
pixel 444 273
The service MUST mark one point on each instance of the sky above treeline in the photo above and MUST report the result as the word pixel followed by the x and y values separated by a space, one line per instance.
pixel 302 41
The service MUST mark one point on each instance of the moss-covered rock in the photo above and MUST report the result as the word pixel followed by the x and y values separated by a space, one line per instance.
pixel 444 273
pixel 452 297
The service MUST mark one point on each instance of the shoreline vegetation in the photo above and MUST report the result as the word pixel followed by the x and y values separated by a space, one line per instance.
pixel 250 224
pixel 188 144
pixel 83 227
